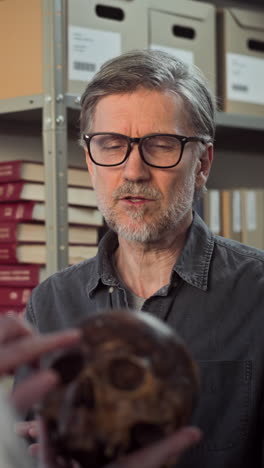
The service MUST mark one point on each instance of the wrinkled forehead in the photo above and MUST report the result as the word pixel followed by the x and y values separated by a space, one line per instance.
pixel 143 109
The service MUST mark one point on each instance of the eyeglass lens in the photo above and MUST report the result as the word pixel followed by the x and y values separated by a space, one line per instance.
pixel 157 150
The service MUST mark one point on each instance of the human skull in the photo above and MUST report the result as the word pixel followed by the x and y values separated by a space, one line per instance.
pixel 130 382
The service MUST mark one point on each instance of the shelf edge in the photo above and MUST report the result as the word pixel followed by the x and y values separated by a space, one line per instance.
pixel 249 122
pixel 21 103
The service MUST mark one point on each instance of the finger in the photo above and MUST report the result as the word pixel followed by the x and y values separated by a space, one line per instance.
pixel 12 327
pixel 26 428
pixel 30 348
pixel 158 454
pixel 46 454
pixel 34 449
pixel 33 389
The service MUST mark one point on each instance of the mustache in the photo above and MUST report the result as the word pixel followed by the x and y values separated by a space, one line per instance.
pixel 136 189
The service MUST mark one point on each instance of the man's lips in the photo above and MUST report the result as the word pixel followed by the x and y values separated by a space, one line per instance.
pixel 135 199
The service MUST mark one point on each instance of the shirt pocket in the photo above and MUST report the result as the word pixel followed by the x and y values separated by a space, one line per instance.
pixel 222 410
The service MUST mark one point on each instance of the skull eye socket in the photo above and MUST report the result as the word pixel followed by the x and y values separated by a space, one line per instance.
pixel 125 374
pixel 69 366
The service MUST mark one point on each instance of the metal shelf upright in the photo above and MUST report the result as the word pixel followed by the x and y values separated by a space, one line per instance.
pixel 54 129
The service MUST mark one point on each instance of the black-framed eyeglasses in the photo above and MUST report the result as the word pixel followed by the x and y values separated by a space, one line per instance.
pixel 161 150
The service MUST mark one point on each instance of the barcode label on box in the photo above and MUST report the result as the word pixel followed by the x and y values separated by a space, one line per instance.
pixel 245 78
pixel 91 67
pixel 88 49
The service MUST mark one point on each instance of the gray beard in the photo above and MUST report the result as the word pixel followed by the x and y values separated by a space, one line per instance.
pixel 166 220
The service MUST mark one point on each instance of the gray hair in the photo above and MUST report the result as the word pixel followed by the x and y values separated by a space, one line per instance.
pixel 153 70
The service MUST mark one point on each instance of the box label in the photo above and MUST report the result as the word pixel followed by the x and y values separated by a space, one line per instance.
pixel 245 78
pixel 182 54
pixel 88 49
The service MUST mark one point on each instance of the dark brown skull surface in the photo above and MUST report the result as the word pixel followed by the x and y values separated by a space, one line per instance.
pixel 128 383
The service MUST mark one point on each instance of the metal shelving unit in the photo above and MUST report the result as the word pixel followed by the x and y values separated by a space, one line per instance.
pixel 54 130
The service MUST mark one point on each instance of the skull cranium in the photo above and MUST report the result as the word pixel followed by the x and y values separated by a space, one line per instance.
pixel 129 382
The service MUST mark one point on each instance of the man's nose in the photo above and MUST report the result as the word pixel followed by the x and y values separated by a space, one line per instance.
pixel 134 167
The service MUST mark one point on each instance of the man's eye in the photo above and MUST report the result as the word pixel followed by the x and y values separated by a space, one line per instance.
pixel 112 146
pixel 162 147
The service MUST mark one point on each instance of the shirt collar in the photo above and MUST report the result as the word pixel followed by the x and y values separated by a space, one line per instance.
pixel 192 265
pixel 104 270
pixel 194 262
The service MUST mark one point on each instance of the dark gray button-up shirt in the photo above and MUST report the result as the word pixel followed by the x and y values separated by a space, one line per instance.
pixel 215 300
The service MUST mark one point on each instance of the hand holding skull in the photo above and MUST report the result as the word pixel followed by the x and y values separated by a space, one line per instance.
pixel 130 382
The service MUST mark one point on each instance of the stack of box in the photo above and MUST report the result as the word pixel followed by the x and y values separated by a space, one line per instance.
pixel 98 32
pixel 240 44
pixel 22 227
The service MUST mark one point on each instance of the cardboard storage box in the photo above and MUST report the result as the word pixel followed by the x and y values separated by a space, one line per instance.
pixel 96 31
pixel 187 30
pixel 21 48
pixel 240 45
pixel 100 30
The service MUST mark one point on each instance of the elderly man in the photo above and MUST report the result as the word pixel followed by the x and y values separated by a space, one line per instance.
pixel 147 127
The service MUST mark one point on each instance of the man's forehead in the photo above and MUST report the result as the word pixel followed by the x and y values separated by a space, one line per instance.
pixel 142 105
pixel 140 93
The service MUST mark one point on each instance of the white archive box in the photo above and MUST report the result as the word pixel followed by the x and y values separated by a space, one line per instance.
pixel 240 45
pixel 185 29
pixel 99 31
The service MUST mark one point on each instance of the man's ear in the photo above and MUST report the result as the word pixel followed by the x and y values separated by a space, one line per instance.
pixel 204 166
